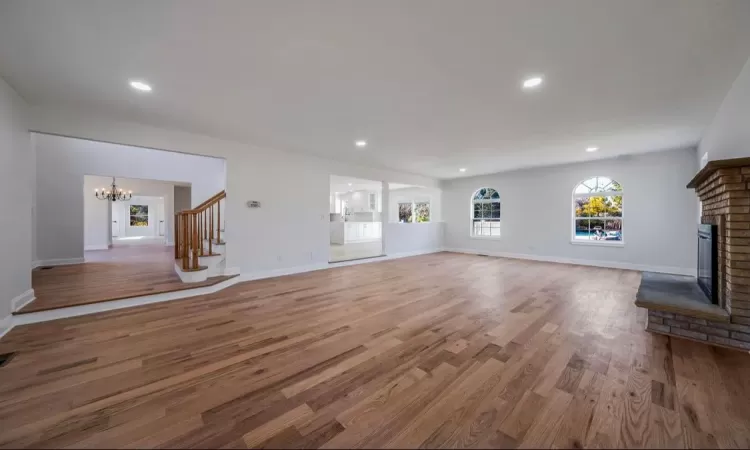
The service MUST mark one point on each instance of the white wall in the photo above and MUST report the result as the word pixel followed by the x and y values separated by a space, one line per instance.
pixel 62 163
pixel 97 215
pixel 413 237
pixel 290 229
pixel 182 198
pixel 728 136
pixel 658 212
pixel 416 194
pixel 16 161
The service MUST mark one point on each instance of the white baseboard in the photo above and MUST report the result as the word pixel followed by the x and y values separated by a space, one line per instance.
pixel 280 272
pixel 229 271
pixel 580 262
pixel 415 253
pixel 57 262
pixel 22 300
pixel 323 266
pixel 96 247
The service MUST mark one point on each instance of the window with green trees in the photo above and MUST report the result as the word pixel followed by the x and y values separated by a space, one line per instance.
pixel 418 212
pixel 485 216
pixel 138 215
pixel 422 212
pixel 404 212
pixel 597 211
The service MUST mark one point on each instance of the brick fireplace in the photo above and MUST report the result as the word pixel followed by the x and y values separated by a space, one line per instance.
pixel 724 190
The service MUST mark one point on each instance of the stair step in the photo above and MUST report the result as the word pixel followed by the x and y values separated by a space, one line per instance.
pixel 190 269
pixel 192 275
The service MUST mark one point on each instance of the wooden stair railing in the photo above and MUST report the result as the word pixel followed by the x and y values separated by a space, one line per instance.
pixel 195 226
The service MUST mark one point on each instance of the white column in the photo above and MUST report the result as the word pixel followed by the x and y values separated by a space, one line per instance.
pixel 384 212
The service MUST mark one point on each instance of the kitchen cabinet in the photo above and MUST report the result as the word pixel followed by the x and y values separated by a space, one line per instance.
pixel 361 201
pixel 355 231
pixel 364 231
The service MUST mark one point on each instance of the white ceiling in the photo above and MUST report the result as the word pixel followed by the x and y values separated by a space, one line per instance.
pixel 345 184
pixel 341 184
pixel 432 85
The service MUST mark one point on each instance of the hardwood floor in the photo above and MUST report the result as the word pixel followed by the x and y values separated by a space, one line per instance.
pixel 121 272
pixel 355 250
pixel 441 350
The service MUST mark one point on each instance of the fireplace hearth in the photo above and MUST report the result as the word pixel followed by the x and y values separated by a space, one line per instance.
pixel 717 310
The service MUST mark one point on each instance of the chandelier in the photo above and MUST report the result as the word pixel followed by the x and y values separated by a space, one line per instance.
pixel 114 194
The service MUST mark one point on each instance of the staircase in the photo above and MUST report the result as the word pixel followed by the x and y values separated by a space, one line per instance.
pixel 199 249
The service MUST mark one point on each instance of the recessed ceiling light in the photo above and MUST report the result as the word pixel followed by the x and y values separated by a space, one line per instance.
pixel 532 82
pixel 462 170
pixel 140 85
pixel 360 143
pixel 592 149
pixel 350 184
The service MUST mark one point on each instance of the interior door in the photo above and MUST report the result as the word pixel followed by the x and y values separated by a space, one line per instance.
pixel 115 224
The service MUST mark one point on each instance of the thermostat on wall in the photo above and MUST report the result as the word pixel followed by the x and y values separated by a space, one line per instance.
pixel 253 204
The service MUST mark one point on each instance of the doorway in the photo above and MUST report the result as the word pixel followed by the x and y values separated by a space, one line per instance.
pixel 356 226
pixel 144 217
pixel 139 221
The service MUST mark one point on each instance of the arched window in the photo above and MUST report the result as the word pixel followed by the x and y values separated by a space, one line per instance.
pixel 485 216
pixel 597 211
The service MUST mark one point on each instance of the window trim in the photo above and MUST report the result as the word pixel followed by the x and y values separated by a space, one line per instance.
pixel 473 201
pixel 573 240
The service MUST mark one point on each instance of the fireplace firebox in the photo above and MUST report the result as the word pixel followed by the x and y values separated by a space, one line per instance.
pixel 708 277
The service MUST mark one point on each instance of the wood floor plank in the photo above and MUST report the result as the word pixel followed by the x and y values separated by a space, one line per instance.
pixel 271 428
pixel 544 428
pixel 440 350
pixel 121 272
pixel 635 424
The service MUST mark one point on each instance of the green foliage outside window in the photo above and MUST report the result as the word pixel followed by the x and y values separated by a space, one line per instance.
pixel 404 212
pixel 422 212
pixel 138 215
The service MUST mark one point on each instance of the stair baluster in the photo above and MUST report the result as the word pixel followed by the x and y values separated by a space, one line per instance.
pixel 211 232
pixel 196 232
pixel 200 234
pixel 183 244
pixel 193 227
pixel 174 237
